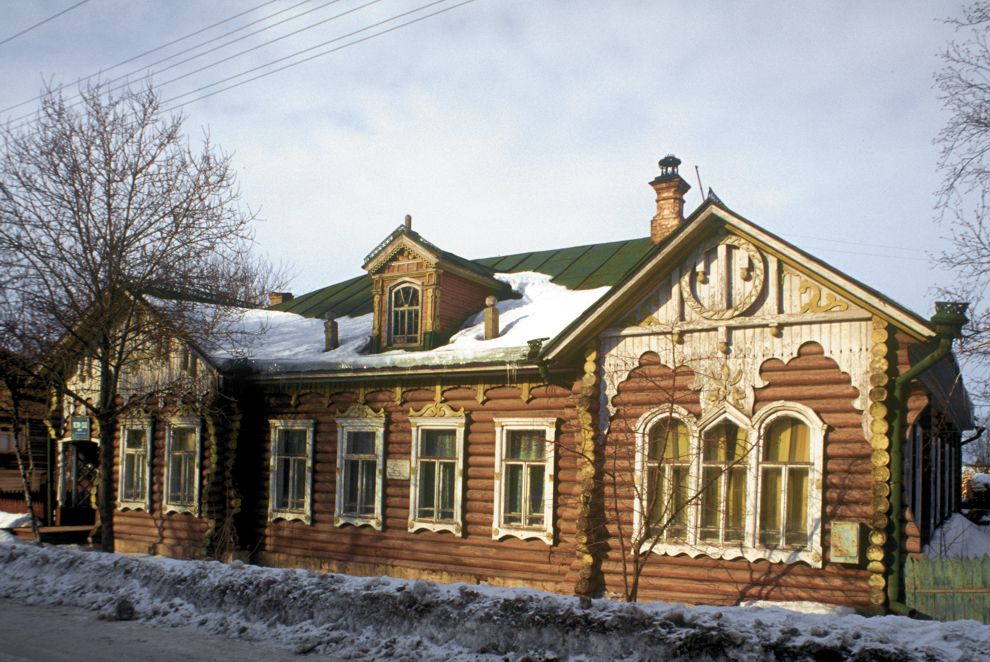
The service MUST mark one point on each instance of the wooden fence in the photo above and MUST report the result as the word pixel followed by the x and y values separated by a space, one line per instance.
pixel 949 589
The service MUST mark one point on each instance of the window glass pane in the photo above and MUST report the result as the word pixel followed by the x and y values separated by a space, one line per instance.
pixel 183 439
pixel 669 440
pixel 770 502
pixel 427 489
pixel 182 478
pixel 134 471
pixel 361 442
pixel 678 502
pixel 796 531
pixel 526 444
pixel 726 442
pixel 367 494
pixel 787 440
pixel 655 499
pixel 536 489
pixel 134 438
pixel 6 442
pixel 735 506
pixel 437 443
pixel 291 442
pixel 445 491
pixel 513 493
pixel 711 500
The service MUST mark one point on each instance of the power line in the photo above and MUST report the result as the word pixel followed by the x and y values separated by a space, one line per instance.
pixel 76 99
pixel 857 243
pixel 312 57
pixel 165 45
pixel 40 23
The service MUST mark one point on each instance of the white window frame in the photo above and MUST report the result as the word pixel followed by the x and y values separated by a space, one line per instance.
pixel 168 505
pixel 500 529
pixel 750 547
pixel 363 424
pixel 644 426
pixel 812 552
pixel 127 425
pixel 305 514
pixel 419 424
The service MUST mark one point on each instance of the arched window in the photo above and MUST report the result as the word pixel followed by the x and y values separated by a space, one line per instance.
pixel 785 473
pixel 404 315
pixel 668 472
pixel 723 483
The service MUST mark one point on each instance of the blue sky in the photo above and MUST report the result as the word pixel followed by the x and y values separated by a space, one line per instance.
pixel 511 125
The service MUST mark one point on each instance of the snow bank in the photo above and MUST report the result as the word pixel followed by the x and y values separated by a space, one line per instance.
pixel 383 618
pixel 276 341
pixel 13 520
pixel 959 538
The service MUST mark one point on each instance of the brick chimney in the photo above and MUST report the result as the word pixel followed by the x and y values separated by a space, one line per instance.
pixel 275 298
pixel 670 190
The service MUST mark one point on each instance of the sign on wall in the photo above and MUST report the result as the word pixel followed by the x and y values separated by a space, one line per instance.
pixel 80 428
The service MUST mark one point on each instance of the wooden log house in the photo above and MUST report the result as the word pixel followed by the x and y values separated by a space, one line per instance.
pixel 707 415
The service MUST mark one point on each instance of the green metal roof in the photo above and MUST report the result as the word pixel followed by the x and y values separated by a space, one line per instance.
pixel 577 268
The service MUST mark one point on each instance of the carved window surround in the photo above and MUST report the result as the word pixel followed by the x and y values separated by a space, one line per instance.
pixel 749 548
pixel 436 417
pixel 304 514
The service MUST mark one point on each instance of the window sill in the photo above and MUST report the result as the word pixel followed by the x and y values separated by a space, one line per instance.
pixel 812 557
pixel 373 522
pixel 436 527
pixel 180 509
pixel 290 516
pixel 524 534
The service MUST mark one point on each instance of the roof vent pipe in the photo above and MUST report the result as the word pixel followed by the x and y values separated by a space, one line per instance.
pixel 407 223
pixel 330 337
pixel 491 318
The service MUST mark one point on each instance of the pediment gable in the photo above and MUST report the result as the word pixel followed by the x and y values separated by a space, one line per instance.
pixel 718 269
pixel 401 254
pixel 728 279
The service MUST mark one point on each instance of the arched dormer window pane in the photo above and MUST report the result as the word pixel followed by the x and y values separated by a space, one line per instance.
pixel 404 315
pixel 784 482
pixel 667 495
pixel 723 483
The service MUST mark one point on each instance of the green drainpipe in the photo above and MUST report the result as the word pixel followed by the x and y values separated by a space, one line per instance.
pixel 947 321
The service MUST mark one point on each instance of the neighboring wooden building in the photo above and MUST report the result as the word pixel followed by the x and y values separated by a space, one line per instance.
pixel 35 450
pixel 707 415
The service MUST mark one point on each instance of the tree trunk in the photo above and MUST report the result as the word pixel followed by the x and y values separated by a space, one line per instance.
pixel 106 418
pixel 25 479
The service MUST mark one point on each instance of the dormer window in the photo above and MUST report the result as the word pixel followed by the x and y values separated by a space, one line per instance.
pixel 404 314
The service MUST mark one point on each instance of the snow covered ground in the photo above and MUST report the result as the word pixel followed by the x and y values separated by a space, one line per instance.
pixel 383 618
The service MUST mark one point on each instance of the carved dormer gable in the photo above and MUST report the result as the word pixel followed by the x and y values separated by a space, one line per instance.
pixel 422 294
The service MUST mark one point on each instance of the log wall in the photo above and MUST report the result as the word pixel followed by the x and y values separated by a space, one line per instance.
pixel 184 535
pixel 473 557
pixel 810 379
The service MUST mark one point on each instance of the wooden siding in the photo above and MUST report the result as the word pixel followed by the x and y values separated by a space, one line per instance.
pixel 810 379
pixel 473 557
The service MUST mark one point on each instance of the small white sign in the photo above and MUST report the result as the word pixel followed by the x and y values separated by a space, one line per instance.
pixel 397 469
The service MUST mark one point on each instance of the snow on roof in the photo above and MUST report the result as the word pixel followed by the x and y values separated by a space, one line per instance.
pixel 276 341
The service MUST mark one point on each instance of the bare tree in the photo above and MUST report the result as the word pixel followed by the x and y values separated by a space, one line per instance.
pixel 107 215
pixel 963 84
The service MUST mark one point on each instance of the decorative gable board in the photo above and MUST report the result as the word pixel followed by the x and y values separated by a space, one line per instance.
pixel 726 309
